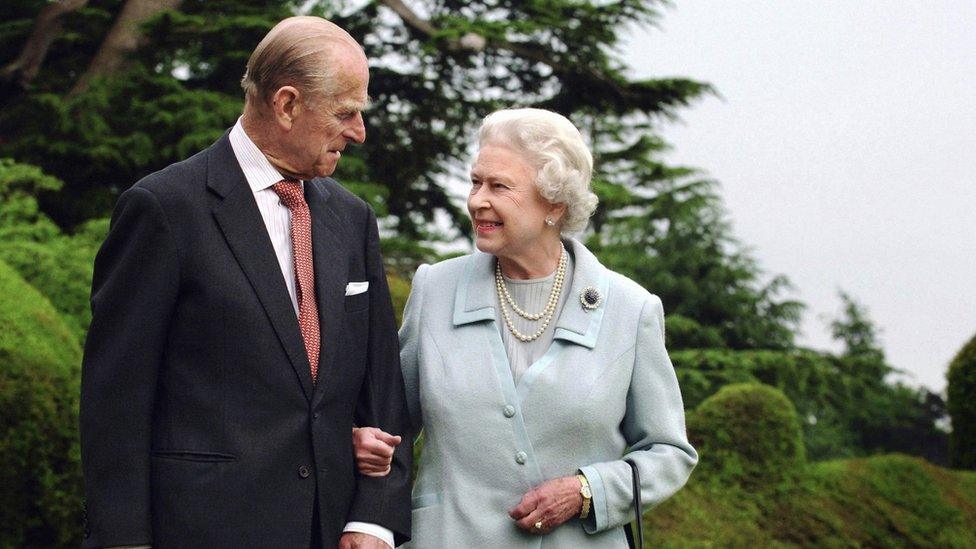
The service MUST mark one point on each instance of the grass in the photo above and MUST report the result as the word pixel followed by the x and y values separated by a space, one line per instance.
pixel 882 501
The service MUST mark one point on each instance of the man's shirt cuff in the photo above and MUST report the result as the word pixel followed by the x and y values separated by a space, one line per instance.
pixel 374 530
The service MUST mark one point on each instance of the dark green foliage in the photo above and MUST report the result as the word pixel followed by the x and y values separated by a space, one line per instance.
pixel 141 119
pixel 748 434
pixel 58 265
pixel 856 330
pixel 685 333
pixel 889 417
pixel 845 407
pixel 660 225
pixel 821 387
pixel 40 360
pixel 962 407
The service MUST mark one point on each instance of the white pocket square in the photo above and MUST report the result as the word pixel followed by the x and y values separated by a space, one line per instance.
pixel 354 288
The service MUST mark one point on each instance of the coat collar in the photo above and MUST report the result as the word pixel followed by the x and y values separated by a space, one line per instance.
pixel 474 299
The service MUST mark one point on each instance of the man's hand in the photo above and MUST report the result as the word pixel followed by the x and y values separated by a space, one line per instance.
pixel 374 450
pixel 358 540
pixel 549 504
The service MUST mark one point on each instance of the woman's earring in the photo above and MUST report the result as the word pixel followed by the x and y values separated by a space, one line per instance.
pixel 550 222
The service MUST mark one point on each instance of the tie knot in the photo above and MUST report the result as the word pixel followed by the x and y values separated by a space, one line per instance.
pixel 290 192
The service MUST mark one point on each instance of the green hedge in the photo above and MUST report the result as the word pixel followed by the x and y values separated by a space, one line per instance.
pixel 749 434
pixel 752 488
pixel 845 407
pixel 58 265
pixel 962 407
pixel 39 371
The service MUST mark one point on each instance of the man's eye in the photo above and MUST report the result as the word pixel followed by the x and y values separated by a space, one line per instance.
pixel 347 115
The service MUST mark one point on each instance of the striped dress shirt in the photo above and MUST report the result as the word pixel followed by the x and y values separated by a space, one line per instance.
pixel 261 176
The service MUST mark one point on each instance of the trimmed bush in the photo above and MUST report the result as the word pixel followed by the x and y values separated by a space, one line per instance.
pixel 56 264
pixel 748 433
pixel 882 501
pixel 962 407
pixel 39 370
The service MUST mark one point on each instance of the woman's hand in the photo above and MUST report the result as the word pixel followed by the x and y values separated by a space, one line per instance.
pixel 374 450
pixel 550 504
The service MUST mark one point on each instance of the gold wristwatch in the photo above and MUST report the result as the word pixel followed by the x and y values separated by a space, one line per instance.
pixel 587 496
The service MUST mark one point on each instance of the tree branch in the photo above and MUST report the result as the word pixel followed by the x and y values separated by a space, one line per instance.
pixel 47 27
pixel 476 43
pixel 123 38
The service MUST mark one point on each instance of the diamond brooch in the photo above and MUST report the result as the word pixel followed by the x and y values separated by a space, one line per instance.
pixel 590 298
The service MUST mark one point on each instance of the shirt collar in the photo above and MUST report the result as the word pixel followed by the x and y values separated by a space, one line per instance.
pixel 258 171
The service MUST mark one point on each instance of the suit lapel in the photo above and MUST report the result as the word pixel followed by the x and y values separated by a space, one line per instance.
pixel 331 272
pixel 243 228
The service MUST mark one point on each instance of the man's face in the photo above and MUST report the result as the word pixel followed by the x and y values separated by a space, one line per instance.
pixel 323 131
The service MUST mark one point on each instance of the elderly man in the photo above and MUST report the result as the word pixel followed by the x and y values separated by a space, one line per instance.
pixel 242 326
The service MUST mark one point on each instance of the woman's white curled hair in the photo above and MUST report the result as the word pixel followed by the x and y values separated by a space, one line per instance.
pixel 551 143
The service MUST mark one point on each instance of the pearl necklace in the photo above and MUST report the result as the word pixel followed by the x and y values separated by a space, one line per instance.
pixel 545 315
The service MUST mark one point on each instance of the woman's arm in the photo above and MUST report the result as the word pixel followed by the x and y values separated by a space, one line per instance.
pixel 654 427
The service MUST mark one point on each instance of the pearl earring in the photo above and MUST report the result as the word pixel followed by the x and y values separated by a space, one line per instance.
pixel 550 222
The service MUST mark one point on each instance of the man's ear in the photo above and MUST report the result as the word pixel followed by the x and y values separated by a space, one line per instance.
pixel 286 106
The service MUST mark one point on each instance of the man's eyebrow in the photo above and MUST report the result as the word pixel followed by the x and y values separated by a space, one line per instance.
pixel 356 104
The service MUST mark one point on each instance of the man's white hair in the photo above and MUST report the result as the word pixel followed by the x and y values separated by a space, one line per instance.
pixel 553 145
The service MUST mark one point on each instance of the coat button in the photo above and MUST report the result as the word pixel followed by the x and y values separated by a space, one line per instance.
pixel 315 415
pixel 520 458
pixel 303 471
pixel 509 411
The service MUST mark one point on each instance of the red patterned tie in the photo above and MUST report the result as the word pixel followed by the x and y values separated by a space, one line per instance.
pixel 290 192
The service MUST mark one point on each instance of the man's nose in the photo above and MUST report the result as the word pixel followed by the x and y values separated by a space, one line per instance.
pixel 356 130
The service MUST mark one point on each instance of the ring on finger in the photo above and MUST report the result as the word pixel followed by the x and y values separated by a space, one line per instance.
pixel 539 524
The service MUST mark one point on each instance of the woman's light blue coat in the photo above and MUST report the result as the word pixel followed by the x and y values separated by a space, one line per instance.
pixel 605 388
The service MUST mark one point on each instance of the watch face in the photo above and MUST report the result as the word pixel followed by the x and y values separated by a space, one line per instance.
pixel 586 492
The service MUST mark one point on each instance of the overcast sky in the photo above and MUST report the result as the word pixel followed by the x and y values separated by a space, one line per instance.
pixel 845 144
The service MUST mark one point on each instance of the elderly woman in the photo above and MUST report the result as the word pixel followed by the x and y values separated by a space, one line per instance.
pixel 534 370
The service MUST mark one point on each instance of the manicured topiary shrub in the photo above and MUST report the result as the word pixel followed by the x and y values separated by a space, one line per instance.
pixel 962 407
pixel 57 264
pixel 747 433
pixel 40 358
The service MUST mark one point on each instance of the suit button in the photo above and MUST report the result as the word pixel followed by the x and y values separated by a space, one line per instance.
pixel 303 471
pixel 521 457
pixel 509 411
pixel 315 415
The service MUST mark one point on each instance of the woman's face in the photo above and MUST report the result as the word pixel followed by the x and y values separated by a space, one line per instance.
pixel 507 212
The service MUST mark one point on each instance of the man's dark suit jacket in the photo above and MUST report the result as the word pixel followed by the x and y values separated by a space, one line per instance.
pixel 200 425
